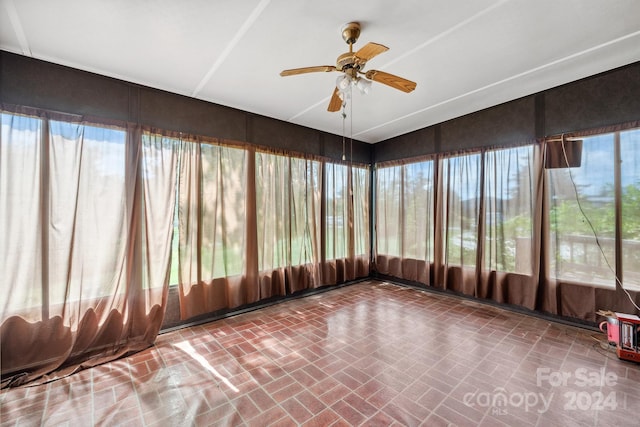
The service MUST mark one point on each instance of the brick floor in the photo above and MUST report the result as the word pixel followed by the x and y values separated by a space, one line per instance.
pixel 371 353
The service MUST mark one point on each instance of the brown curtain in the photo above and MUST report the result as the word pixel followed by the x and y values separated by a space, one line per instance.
pixel 511 216
pixel 346 223
pixel 249 226
pixel 464 222
pixel 405 220
pixel 85 215
pixel 517 226
pixel 459 209
pixel 477 236
pixel 359 234
pixel 288 192
pixel 212 218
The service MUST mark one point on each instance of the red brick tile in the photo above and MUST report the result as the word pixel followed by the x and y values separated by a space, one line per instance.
pixel 262 399
pixel 278 384
pixel 370 388
pixel 436 421
pixel 245 407
pixel 411 407
pixel 324 418
pixel 379 419
pixel 347 412
pixel 360 405
pixel 452 416
pixel 401 416
pixel 432 398
pixel 303 377
pixel 311 402
pixel 347 380
pixel 475 413
pixel 215 415
pixel 296 410
pixel 335 394
pixel 382 397
pixel 323 386
pixel 287 392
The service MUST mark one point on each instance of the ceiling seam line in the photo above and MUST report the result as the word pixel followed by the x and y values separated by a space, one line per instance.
pixel 17 27
pixel 445 33
pixel 232 44
pixel 516 76
pixel 306 110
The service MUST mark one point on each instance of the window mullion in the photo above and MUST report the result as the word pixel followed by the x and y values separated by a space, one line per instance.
pixel 618 206
pixel 45 213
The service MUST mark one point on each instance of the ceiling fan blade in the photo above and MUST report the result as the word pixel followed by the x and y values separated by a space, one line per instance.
pixel 335 103
pixel 370 50
pixel 391 80
pixel 303 70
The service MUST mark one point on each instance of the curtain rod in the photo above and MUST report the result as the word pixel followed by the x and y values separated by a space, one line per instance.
pixel 563 138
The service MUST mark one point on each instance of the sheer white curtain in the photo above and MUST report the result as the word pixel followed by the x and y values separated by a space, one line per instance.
pixel 159 178
pixel 84 286
pixel 288 192
pixel 346 223
pixel 511 219
pixel 361 187
pixel 405 227
pixel 459 202
pixel 388 215
pixel 337 212
pixel 250 225
pixel 630 210
pixel 474 219
pixel 21 145
pixel 212 230
pixel 88 214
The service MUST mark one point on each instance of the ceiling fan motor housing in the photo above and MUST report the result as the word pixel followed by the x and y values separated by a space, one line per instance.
pixel 348 61
pixel 351 32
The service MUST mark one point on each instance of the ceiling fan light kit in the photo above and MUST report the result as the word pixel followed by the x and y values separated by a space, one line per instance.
pixel 351 65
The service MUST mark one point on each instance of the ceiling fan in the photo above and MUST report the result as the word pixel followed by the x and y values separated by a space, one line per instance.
pixel 351 65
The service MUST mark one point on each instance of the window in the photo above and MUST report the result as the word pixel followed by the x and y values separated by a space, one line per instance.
pixel 20 207
pixel 361 195
pixel 159 178
pixel 64 213
pixel 288 205
pixel 211 213
pixel 222 210
pixel 509 209
pixel 87 211
pixel 582 198
pixel 305 211
pixel 337 217
pixel 389 210
pixel 405 210
pixel 418 211
pixel 461 204
pixel 630 193
pixel 342 196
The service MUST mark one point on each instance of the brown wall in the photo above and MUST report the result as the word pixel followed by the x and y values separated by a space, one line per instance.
pixel 609 98
pixel 605 99
pixel 29 82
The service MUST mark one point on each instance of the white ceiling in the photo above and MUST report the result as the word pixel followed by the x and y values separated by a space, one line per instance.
pixel 465 55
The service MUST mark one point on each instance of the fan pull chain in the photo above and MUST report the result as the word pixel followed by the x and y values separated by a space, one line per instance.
pixel 351 123
pixel 344 116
